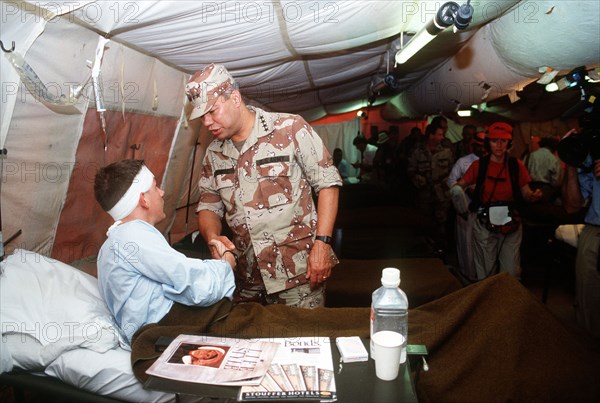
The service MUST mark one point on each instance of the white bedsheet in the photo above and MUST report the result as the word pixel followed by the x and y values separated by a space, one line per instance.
pixel 107 374
pixel 53 320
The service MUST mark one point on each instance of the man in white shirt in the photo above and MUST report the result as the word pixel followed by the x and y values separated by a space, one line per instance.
pixel 367 152
pixel 545 169
pixel 464 223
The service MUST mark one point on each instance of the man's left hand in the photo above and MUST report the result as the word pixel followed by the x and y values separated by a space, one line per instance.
pixel 320 264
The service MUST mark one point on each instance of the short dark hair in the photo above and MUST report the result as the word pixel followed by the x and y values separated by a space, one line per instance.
pixel 469 127
pixel 360 140
pixel 430 129
pixel 437 121
pixel 416 130
pixel 113 180
pixel 551 143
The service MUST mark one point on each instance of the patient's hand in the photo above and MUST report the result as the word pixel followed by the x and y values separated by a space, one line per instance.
pixel 218 249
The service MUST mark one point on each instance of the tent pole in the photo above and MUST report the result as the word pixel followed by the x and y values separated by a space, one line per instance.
pixel 3 152
pixel 187 207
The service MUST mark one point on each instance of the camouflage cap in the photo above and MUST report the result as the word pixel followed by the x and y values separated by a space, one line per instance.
pixel 500 130
pixel 205 87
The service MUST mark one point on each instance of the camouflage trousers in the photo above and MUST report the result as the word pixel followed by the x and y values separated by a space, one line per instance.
pixel 298 297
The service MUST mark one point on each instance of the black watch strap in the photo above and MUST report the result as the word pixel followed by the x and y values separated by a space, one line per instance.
pixel 324 238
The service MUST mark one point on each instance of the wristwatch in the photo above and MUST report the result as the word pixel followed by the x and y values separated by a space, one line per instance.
pixel 324 238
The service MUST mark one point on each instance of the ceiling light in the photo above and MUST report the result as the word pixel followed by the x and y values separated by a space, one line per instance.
pixel 450 13
pixel 463 113
pixel 552 87
pixel 558 85
pixel 480 107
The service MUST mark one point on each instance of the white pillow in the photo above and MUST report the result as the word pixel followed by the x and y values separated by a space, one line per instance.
pixel 25 350
pixel 6 361
pixel 108 374
pixel 54 303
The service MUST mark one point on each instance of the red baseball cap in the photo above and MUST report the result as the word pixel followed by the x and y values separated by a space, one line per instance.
pixel 499 130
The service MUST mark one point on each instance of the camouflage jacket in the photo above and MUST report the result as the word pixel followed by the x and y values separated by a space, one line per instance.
pixel 429 171
pixel 265 193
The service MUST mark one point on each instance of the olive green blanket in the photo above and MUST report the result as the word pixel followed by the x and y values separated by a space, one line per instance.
pixel 488 342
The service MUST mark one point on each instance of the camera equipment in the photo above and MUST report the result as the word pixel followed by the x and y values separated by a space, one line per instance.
pixel 575 148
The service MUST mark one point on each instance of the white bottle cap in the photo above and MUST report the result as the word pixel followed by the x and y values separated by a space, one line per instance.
pixel 390 277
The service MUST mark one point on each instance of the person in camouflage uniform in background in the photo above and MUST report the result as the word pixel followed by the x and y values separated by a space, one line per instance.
pixel 429 165
pixel 259 172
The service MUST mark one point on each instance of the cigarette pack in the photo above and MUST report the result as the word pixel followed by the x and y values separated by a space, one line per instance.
pixel 351 349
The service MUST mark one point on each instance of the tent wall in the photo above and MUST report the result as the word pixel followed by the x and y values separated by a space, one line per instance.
pixel 41 143
pixel 47 184
pixel 82 224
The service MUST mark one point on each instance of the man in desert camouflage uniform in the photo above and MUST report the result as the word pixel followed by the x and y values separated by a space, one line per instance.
pixel 429 165
pixel 259 172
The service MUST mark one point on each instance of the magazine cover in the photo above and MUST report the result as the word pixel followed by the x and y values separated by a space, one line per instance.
pixel 215 360
pixel 301 370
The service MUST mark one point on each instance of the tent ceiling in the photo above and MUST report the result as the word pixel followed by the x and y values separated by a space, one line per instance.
pixel 322 57
pixel 312 57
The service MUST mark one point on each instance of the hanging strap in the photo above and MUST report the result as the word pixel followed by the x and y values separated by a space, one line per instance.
pixel 476 199
pixel 513 173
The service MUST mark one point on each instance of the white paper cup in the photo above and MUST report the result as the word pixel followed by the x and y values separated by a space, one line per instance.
pixel 387 348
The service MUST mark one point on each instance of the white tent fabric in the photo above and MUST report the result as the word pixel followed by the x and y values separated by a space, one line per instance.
pixel 514 48
pixel 308 57
pixel 26 31
pixel 40 148
pixel 41 144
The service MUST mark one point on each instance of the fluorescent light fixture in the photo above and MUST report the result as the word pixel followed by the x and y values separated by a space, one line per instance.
pixel 480 107
pixel 450 13
pixel 417 42
pixel 463 113
pixel 558 85
pixel 552 87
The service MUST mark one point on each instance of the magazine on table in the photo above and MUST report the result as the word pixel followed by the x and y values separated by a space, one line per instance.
pixel 215 360
pixel 301 370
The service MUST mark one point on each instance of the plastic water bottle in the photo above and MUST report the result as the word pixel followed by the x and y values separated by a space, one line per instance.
pixel 389 308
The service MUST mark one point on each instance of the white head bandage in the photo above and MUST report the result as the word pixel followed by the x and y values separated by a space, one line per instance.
pixel 142 183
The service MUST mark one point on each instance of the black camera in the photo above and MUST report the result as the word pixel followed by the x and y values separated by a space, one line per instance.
pixel 575 148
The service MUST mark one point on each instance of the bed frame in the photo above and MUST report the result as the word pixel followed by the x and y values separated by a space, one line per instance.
pixel 47 388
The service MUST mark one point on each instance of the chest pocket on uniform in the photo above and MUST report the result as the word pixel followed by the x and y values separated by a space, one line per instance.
pixel 224 179
pixel 274 180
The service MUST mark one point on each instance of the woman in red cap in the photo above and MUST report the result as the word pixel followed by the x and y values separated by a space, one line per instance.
pixel 501 183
